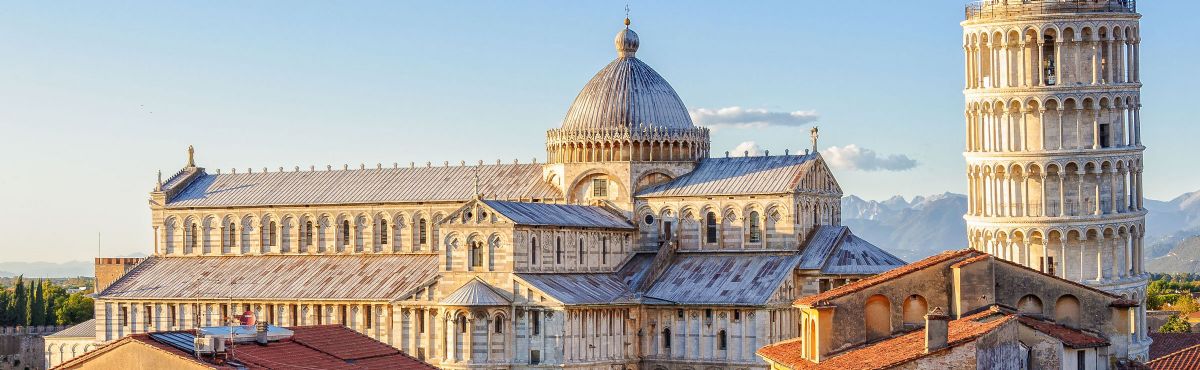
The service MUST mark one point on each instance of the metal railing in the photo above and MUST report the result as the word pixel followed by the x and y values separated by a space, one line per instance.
pixel 982 9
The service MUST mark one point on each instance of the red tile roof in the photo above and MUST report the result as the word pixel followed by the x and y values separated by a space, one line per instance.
pixel 321 347
pixel 1071 337
pixel 1184 359
pixel 898 350
pixel 892 274
pixel 1167 343
pixel 971 255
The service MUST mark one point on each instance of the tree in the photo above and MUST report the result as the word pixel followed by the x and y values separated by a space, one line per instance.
pixel 20 303
pixel 53 295
pixel 1175 324
pixel 4 299
pixel 37 304
pixel 75 309
pixel 1185 304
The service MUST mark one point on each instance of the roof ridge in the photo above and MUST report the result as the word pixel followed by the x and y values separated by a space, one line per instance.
pixel 885 276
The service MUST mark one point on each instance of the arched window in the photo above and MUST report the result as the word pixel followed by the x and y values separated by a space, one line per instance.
pixel 422 232
pixel 722 340
pixel 878 316
pixel 710 228
pixel 499 324
pixel 604 250
pixel 476 254
pixel 580 260
pixel 273 235
pixel 558 252
pixel 755 227
pixel 192 236
pixel 915 308
pixel 1066 311
pixel 533 250
pixel 345 232
pixel 231 239
pixel 462 324
pixel 308 240
pixel 383 232
pixel 1030 304
pixel 666 333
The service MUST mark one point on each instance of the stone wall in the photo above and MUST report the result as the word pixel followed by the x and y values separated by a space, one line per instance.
pixel 22 348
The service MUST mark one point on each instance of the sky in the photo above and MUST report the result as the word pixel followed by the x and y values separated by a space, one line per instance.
pixel 96 97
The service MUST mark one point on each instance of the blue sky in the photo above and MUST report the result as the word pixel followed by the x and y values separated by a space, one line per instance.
pixel 97 96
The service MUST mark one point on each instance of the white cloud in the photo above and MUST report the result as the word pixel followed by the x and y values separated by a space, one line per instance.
pixel 739 117
pixel 745 146
pixel 851 157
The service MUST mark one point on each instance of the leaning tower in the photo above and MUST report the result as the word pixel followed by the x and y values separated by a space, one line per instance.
pixel 1053 142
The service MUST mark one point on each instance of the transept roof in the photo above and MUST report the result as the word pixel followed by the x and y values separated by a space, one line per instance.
pixel 738 175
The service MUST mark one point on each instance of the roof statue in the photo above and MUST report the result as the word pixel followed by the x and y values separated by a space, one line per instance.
pixel 191 157
pixel 814 133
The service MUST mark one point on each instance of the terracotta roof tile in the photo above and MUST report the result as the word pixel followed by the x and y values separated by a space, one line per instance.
pixel 1071 337
pixel 891 352
pixel 1167 343
pixel 311 347
pixel 1184 359
pixel 886 276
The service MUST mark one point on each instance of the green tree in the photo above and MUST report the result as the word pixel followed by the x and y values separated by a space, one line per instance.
pixel 1185 304
pixel 37 304
pixel 4 299
pixel 20 303
pixel 1175 324
pixel 53 295
pixel 75 309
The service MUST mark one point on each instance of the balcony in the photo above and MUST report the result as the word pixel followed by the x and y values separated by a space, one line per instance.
pixel 988 9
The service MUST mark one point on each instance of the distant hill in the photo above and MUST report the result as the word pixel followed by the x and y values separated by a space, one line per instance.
pixel 909 229
pixel 66 269
pixel 47 269
pixel 1173 234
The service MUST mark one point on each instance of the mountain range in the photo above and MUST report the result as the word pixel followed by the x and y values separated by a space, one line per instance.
pixel 909 229
pixel 926 225
pixel 1173 234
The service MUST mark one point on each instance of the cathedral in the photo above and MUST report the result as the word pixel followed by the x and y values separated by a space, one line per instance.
pixel 631 247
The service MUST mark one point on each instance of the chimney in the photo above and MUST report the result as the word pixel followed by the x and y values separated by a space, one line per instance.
pixel 936 329
pixel 260 333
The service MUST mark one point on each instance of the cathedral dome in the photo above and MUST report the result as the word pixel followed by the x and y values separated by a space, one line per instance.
pixel 627 95
pixel 627 112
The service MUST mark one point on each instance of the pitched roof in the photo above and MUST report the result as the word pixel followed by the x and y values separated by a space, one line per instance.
pixel 476 293
pixel 294 277
pixel 886 276
pixel 1184 359
pixel 735 278
pixel 545 214
pixel 81 330
pixel 1167 343
pixel 1073 338
pixel 323 347
pixel 835 250
pixel 884 354
pixel 386 185
pixel 738 175
pixel 581 289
